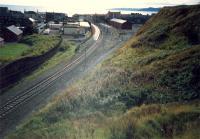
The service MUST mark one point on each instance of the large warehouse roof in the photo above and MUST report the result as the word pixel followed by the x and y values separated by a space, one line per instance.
pixel 121 21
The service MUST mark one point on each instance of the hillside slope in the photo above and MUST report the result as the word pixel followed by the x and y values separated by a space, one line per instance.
pixel 147 89
pixel 181 21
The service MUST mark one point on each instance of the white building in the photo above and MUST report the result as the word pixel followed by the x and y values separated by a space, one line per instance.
pixel 76 28
pixel 46 31
pixel 54 26
pixel 84 24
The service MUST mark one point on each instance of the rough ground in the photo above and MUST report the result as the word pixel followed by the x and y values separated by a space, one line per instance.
pixel 108 44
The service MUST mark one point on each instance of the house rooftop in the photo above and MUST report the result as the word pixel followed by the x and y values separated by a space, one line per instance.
pixel 15 30
pixel 121 21
pixel 84 24
pixel 71 25
pixel 1 39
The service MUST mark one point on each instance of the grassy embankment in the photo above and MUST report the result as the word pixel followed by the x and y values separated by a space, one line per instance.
pixel 147 89
pixel 36 45
pixel 66 51
pixel 12 51
pixel 32 45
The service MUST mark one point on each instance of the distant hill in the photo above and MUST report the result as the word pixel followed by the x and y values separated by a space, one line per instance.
pixel 22 7
pixel 150 9
pixel 165 53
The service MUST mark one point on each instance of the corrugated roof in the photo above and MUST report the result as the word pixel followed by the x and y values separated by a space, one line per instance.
pixel 84 24
pixel 15 30
pixel 121 21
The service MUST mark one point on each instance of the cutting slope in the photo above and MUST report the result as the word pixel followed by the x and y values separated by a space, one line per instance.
pixel 147 89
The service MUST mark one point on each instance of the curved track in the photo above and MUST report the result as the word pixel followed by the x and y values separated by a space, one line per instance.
pixel 18 100
pixel 26 98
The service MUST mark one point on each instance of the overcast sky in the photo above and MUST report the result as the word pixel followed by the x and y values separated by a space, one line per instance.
pixel 95 5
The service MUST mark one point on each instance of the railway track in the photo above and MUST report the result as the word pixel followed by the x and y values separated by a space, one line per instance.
pixel 25 96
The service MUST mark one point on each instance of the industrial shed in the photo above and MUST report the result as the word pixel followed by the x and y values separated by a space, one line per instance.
pixel 76 28
pixel 12 34
pixel 120 23
pixel 54 26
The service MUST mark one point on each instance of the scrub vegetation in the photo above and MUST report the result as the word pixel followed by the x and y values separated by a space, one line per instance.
pixel 40 44
pixel 147 89
pixel 65 53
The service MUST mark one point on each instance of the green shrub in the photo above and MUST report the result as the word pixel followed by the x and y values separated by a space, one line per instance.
pixel 40 44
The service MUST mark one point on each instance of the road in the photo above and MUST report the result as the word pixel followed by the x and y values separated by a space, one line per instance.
pixel 30 96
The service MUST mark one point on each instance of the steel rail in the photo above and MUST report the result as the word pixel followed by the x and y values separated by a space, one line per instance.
pixel 14 102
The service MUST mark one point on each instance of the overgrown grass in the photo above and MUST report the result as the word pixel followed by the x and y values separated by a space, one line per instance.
pixel 66 52
pixel 158 121
pixel 40 44
pixel 174 120
pixel 89 107
pixel 12 51
pixel 32 45
pixel 147 89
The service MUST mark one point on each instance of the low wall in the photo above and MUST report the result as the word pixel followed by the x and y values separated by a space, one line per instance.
pixel 14 71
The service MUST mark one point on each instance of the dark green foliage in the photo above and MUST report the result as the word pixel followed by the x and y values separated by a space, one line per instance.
pixel 145 95
pixel 40 44
pixel 169 125
pixel 162 75
pixel 183 75
pixel 181 21
pixel 65 46
pixel 165 125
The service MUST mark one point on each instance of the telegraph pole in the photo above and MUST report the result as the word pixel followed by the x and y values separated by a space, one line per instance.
pixel 85 59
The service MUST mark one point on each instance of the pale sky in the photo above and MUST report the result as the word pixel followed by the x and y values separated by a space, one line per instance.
pixel 95 5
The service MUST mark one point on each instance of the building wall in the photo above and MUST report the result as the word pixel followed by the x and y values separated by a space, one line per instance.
pixel 74 31
pixel 55 26
pixel 19 68
pixel 11 37
pixel 49 17
pixel 69 31
pixel 126 25
pixel 116 24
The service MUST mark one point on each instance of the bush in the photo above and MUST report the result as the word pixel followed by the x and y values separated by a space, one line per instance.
pixel 65 46
pixel 39 44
